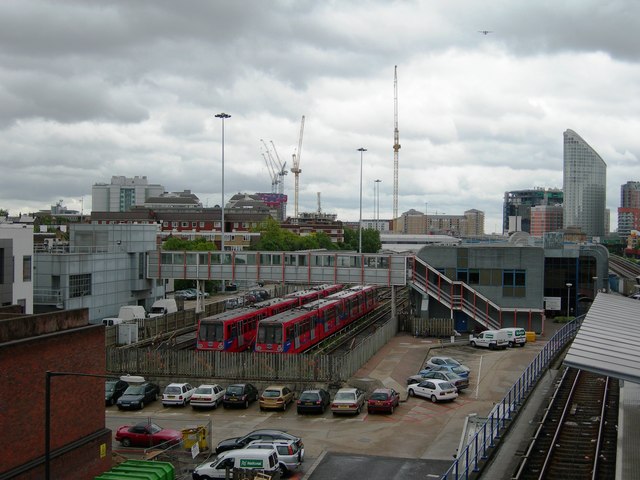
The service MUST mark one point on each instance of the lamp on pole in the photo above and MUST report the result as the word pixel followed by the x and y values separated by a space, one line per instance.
pixel 222 116
pixel 377 182
pixel 569 285
pixel 361 150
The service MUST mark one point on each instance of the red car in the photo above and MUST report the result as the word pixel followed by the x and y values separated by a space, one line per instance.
pixel 383 400
pixel 147 435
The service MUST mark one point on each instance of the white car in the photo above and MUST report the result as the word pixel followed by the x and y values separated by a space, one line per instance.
pixel 207 396
pixel 435 390
pixel 177 394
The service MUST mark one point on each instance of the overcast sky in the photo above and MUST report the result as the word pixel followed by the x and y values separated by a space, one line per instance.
pixel 93 89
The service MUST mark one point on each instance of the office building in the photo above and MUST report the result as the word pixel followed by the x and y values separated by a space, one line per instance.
pixel 629 210
pixel 16 266
pixel 584 186
pixel 545 218
pixel 517 205
pixel 122 194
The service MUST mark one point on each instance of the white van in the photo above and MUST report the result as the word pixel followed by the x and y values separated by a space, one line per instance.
pixel 132 312
pixel 111 321
pixel 490 339
pixel 163 307
pixel 516 336
pixel 262 460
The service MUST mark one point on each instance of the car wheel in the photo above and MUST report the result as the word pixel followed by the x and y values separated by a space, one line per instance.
pixel 155 397
pixel 511 345
pixel 323 408
pixel 391 411
pixel 165 405
pixel 434 399
pixel 283 470
pixel 358 411
pixel 411 392
pixel 141 405
pixel 522 344
pixel 126 442
pixel 246 404
pixel 473 344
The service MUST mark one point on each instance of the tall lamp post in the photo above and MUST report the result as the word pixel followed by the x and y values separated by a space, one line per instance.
pixel 222 116
pixel 361 150
pixel 377 183
pixel 569 285
pixel 595 287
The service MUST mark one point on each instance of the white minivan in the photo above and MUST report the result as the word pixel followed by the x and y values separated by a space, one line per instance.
pixel 491 339
pixel 262 460
pixel 516 336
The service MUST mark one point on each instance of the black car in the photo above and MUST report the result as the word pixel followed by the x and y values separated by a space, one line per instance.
pixel 313 401
pixel 113 390
pixel 138 395
pixel 241 394
pixel 267 435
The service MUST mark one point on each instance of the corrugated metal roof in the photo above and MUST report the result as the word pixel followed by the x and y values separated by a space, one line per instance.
pixel 608 342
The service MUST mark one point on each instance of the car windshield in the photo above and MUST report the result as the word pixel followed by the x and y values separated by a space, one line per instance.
pixel 271 393
pixel 349 396
pixel 234 390
pixel 446 386
pixel 134 390
pixel 110 386
pixel 204 390
pixel 379 396
pixel 151 427
pixel 458 370
pixel 172 390
pixel 309 396
pixel 451 361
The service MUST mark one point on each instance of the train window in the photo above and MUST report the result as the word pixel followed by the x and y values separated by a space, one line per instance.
pixel 233 332
pixel 211 332
pixel 289 332
pixel 270 334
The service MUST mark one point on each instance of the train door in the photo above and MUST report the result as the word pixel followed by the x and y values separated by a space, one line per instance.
pixel 296 337
pixel 241 329
pixel 314 321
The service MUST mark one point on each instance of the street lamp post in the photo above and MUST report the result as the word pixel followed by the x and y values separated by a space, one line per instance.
pixel 222 116
pixel 569 285
pixel 361 150
pixel 595 287
pixel 377 182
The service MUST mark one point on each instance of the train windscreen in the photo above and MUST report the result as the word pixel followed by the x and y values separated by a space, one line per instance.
pixel 211 332
pixel 270 334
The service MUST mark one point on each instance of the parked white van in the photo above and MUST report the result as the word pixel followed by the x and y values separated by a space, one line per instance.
pixel 111 321
pixel 132 312
pixel 262 460
pixel 516 336
pixel 490 339
pixel 163 307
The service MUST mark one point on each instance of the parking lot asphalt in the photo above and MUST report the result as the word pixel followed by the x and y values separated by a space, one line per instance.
pixel 418 434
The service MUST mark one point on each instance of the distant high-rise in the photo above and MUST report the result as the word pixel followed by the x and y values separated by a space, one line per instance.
pixel 584 186
pixel 122 194
pixel 516 209
pixel 629 210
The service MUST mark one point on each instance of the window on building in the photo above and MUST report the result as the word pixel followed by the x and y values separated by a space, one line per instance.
pixel 474 276
pixel 513 283
pixel 26 268
pixel 174 224
pixel 201 224
pixel 185 224
pixel 165 224
pixel 194 224
pixel 79 285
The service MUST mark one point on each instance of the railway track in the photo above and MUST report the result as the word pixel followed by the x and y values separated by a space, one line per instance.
pixel 623 267
pixel 577 436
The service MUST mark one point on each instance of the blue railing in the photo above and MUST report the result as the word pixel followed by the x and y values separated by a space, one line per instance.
pixel 477 449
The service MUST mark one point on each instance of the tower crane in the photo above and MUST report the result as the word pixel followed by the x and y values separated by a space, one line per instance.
pixel 396 148
pixel 272 174
pixel 282 171
pixel 296 169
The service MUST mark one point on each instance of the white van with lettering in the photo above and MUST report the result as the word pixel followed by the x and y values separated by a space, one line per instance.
pixel 490 339
pixel 516 336
pixel 258 459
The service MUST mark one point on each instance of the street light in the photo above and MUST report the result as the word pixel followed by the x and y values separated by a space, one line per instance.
pixel 222 116
pixel 361 150
pixel 569 285
pixel 377 184
pixel 595 287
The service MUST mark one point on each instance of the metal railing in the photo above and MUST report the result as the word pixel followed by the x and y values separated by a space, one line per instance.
pixel 478 449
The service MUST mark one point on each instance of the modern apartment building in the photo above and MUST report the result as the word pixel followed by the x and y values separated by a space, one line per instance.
pixel 584 186
pixel 122 193
pixel 517 205
pixel 629 210
pixel 545 218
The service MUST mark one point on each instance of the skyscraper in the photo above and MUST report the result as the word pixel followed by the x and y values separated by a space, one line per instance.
pixel 629 210
pixel 584 186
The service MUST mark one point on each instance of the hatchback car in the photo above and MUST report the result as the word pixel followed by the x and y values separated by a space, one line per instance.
pixel 207 396
pixel 437 361
pixel 146 434
pixel 348 400
pixel 383 400
pixel 264 435
pixel 313 401
pixel 138 395
pixel 177 394
pixel 113 390
pixel 435 390
pixel 289 455
pixel 276 397
pixel 240 394
pixel 459 382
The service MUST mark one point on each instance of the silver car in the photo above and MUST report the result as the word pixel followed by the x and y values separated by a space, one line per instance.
pixel 348 400
pixel 289 455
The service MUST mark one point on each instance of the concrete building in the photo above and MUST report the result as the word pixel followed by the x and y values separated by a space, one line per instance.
pixel 545 218
pixel 183 200
pixel 122 193
pixel 517 205
pixel 80 444
pixel 474 223
pixel 101 269
pixel 412 222
pixel 629 210
pixel 584 186
pixel 16 266
pixel 309 223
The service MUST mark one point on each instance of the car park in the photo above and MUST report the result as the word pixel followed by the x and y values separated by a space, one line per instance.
pixel 459 382
pixel 290 456
pixel 136 396
pixel 207 396
pixel 434 390
pixel 113 390
pixel 383 400
pixel 177 394
pixel 276 397
pixel 438 361
pixel 262 460
pixel 348 400
pixel 313 401
pixel 147 434
pixel 264 434
pixel 239 394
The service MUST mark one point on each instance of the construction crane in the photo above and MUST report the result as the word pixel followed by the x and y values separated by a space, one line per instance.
pixel 282 171
pixel 296 169
pixel 272 174
pixel 396 148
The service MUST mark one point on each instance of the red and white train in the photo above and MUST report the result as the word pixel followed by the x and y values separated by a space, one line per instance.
pixel 297 330
pixel 235 330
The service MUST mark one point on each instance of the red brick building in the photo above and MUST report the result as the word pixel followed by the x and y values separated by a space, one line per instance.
pixel 30 345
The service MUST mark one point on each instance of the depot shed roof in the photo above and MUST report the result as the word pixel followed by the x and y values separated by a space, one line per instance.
pixel 608 341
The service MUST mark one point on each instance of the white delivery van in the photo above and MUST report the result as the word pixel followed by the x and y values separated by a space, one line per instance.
pixel 262 460
pixel 132 312
pixel 515 336
pixel 490 339
pixel 163 307
pixel 111 321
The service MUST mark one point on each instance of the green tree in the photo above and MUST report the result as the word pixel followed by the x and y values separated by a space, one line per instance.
pixel 176 244
pixel 370 240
